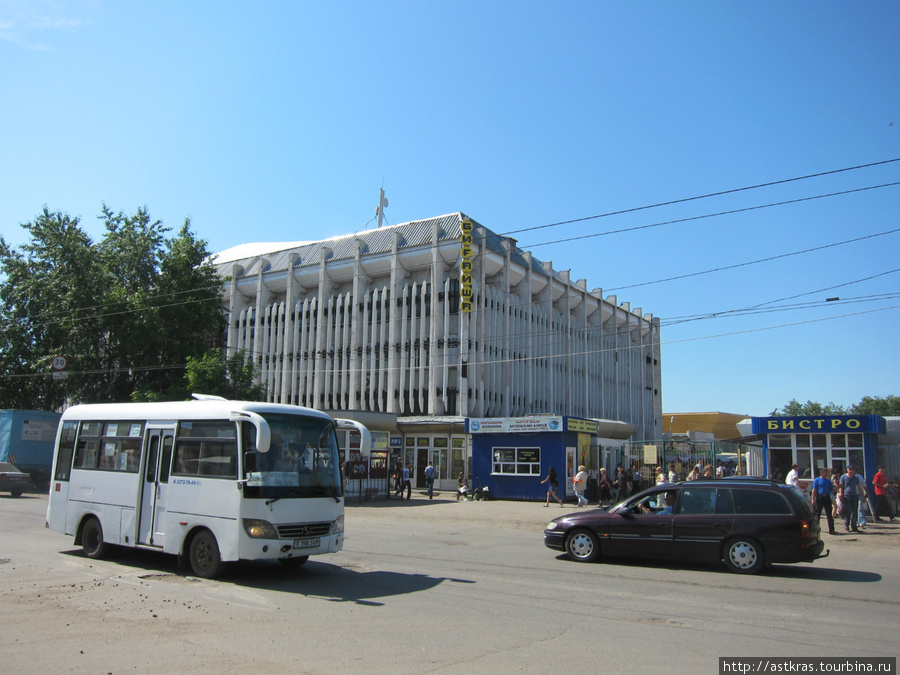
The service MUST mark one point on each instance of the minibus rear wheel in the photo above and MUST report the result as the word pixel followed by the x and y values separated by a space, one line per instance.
pixel 92 539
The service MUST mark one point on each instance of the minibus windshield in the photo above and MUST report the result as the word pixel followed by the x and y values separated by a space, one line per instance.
pixel 302 460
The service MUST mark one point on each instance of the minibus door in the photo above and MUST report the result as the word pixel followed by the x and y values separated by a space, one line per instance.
pixel 156 479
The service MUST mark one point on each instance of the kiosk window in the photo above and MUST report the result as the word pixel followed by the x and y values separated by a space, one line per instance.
pixel 516 461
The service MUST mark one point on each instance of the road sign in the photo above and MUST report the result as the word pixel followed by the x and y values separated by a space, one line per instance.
pixel 59 362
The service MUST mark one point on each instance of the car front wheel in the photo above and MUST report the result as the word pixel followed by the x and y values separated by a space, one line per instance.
pixel 583 546
pixel 744 556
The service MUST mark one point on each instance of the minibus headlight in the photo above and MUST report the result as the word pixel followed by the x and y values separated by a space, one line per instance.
pixel 337 526
pixel 259 529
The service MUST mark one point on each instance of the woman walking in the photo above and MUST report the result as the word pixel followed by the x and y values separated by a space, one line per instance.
pixel 553 486
pixel 579 484
pixel 605 485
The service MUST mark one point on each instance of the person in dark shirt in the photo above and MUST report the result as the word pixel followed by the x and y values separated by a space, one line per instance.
pixel 822 488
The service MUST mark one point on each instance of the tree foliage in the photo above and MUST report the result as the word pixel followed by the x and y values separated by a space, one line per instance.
pixel 869 405
pixel 232 378
pixel 127 312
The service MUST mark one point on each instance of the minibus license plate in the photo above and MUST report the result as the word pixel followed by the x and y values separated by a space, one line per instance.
pixel 306 543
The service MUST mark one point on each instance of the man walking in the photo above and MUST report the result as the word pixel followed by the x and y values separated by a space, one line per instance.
pixel 429 479
pixel 406 484
pixel 821 497
pixel 882 507
pixel 851 491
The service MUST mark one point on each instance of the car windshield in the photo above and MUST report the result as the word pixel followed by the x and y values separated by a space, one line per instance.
pixel 302 460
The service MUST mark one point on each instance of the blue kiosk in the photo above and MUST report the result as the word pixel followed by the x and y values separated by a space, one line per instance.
pixel 832 441
pixel 512 455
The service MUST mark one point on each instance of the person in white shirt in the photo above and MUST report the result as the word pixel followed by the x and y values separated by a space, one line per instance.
pixel 579 484
pixel 793 476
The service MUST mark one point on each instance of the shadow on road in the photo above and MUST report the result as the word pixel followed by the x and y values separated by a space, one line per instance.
pixel 314 579
pixel 797 571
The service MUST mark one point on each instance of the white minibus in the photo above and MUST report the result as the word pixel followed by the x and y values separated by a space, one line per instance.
pixel 210 480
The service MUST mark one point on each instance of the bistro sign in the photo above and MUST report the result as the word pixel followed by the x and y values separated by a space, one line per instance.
pixel 826 424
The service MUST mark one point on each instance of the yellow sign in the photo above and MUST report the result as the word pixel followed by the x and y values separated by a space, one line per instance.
pixel 465 266
pixel 583 426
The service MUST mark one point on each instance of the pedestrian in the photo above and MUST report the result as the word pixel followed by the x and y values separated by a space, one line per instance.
pixel 851 491
pixel 620 483
pixel 406 484
pixel 822 489
pixel 863 498
pixel 882 506
pixel 398 478
pixel 605 485
pixel 579 484
pixel 660 476
pixel 694 474
pixel 553 486
pixel 793 475
pixel 636 479
pixel 708 471
pixel 673 477
pixel 429 479
pixel 838 503
pixel 462 487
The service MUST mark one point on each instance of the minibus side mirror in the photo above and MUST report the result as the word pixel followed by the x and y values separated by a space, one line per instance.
pixel 263 432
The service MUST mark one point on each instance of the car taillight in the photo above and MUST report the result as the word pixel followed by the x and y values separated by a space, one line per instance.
pixel 805 530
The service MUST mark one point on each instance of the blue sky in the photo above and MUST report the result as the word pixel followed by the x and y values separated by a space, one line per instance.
pixel 280 121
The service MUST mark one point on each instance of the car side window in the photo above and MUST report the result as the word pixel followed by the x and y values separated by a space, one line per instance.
pixel 760 502
pixel 724 502
pixel 697 501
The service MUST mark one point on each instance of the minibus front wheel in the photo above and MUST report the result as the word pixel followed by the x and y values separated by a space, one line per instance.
pixel 203 555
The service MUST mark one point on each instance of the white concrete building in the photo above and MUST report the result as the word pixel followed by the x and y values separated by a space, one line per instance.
pixel 374 321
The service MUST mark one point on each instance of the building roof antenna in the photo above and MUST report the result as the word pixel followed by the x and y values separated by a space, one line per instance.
pixel 382 205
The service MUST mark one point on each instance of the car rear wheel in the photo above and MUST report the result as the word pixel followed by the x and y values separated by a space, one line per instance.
pixel 744 555
pixel 92 539
pixel 583 546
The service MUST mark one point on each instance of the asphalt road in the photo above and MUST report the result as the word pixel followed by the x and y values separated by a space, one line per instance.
pixel 431 586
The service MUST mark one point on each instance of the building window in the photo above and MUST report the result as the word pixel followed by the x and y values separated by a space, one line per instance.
pixel 516 462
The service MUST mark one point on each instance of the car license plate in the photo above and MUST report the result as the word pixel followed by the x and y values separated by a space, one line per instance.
pixel 306 543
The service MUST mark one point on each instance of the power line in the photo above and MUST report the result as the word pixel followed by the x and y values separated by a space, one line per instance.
pixel 706 196
pixel 711 215
pixel 761 260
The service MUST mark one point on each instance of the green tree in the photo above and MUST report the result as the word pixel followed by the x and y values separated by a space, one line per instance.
pixel 127 311
pixel 232 378
pixel 810 409
pixel 50 305
pixel 889 406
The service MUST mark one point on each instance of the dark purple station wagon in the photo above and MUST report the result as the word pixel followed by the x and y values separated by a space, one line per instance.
pixel 747 523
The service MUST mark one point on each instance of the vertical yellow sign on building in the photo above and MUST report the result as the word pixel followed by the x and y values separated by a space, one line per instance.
pixel 465 267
